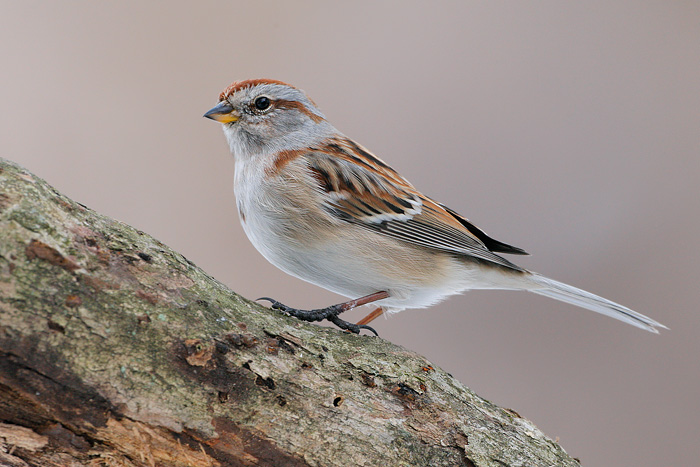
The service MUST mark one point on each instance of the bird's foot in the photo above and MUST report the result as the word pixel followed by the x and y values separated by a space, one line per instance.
pixel 330 313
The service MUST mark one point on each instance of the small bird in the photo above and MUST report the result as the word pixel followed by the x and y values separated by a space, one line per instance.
pixel 322 208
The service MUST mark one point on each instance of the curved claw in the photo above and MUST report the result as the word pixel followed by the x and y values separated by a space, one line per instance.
pixel 369 328
pixel 274 304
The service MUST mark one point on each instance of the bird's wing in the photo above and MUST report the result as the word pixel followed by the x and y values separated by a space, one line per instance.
pixel 361 189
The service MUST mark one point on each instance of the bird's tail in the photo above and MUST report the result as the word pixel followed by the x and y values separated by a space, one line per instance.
pixel 566 293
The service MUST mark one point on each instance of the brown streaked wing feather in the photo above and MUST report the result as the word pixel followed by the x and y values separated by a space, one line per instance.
pixel 365 191
pixel 358 195
pixel 350 151
pixel 436 228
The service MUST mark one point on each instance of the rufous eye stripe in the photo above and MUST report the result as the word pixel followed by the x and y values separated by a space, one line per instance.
pixel 285 104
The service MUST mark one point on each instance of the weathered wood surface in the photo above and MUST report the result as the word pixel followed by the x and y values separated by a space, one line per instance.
pixel 117 351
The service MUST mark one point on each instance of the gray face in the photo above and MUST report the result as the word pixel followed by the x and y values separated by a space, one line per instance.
pixel 273 117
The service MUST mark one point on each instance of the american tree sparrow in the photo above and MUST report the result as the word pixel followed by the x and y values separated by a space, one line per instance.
pixel 324 209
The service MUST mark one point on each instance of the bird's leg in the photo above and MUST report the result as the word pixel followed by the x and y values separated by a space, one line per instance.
pixel 376 313
pixel 331 313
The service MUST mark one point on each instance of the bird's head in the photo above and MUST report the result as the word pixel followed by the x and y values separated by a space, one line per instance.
pixel 263 116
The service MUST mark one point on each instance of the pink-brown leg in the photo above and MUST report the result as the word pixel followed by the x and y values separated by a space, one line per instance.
pixel 374 314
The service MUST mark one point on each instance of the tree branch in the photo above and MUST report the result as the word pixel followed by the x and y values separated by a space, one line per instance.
pixel 117 351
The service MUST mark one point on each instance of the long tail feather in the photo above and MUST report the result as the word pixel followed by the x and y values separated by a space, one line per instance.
pixel 566 293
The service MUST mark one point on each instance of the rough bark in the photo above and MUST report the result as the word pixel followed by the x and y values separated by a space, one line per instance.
pixel 117 351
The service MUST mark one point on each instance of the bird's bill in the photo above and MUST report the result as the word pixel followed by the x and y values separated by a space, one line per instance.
pixel 223 113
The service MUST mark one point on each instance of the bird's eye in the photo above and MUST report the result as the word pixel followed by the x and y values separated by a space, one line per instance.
pixel 262 103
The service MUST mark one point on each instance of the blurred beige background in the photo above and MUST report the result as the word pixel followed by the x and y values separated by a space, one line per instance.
pixel 570 129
